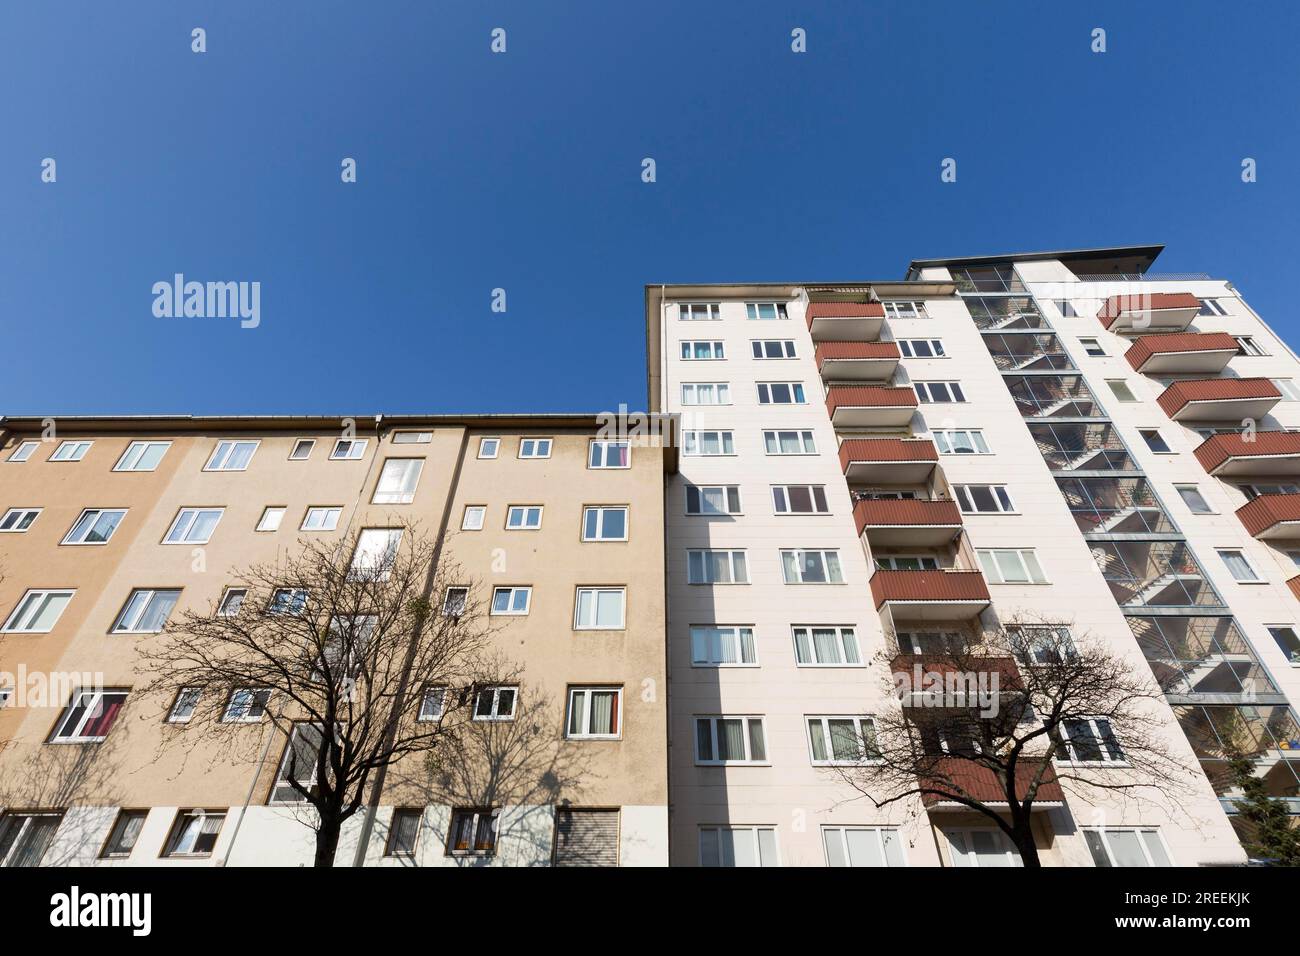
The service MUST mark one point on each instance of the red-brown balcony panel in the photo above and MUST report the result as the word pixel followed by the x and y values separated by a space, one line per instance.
pixel 888 461
pixel 981 784
pixel 857 361
pixel 870 406
pixel 1272 517
pixel 845 321
pixel 1182 353
pixel 1149 310
pixel 891 522
pixel 1237 454
pixel 930 595
pixel 1294 585
pixel 1219 399
pixel 923 680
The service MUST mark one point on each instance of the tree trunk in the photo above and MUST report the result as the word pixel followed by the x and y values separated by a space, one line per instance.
pixel 327 839
pixel 1023 837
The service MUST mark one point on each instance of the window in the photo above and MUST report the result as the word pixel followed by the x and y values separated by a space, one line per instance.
pixel 1123 847
pixel 1066 308
pixel 1155 441
pixel 765 310
pixel 246 705
pixel 1090 740
pixel 826 646
pixel 298 765
pixel 17 520
pixel 789 443
pixel 412 438
pixel 1011 566
pixel 862 846
pixel 126 830
pixel 905 310
pixel 376 553
pixel 811 567
pixel 534 448
pixel 1042 643
pixel 90 715
pixel 524 517
pixel 1246 345
pixel 722 645
pixel 738 846
pixel 271 518
pixel 780 393
pixel 1239 567
pixel 95 526
pixel 71 451
pixel 321 519
pixel 291 601
pixel 23 451
pixel 1254 490
pixel 799 500
pixel 193 526
pixel 231 602
pixel 772 348
pixel 716 567
pixel 146 611
pixel 38 611
pixel 703 351
pixel 142 456
pixel 473 520
pixel 599 609
pixel 489 447
pixel 511 600
pixel 231 456
pixel 194 833
pixel 495 703
pixel 1092 347
pixel 840 741
pixel 604 524
pixel 25 837
pixel 183 707
pixel 907 562
pixel 1290 393
pixel 983 499
pixel 609 454
pixel 707 443
pixel 1287 641
pixel 472 833
pixel 455 601
pixel 981 848
pixel 302 449
pixel 1211 307
pixel 730 740
pixel 1194 500
pixel 432 703
pixel 397 481
pixel 1121 390
pixel 348 449
pixel 960 442
pixel 594 712
pixel 706 393
pixel 930 392
pixel 713 499
pixel 699 311
pixel 403 831
pixel 921 348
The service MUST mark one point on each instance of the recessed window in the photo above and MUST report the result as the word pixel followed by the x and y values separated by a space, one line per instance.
pixel 716 567
pixel 981 847
pixel 960 441
pixel 95 526
pixel 1211 307
pixel 722 645
pixel 511 600
pixel 18 520
pixel 1194 500
pixel 699 311
pixel 905 310
pixel 146 611
pixel 271 518
pixel 594 713
pixel 193 526
pixel 609 454
pixel 840 741
pixel 231 456
pixel 455 601
pixel 403 832
pixel 1290 391
pixel 126 830
pixel 412 438
pixel 324 518
pixel 489 447
pixel 495 703
pixel 765 310
pixel 231 602
pixel 1126 847
pixel 290 601
pixel 70 451
pixel 25 838
pixel 194 833
pixel 799 500
pixel 772 348
pixel 1246 345
pixel 707 443
pixel 1155 441
pixel 1089 740
pixel 472 832
pixel 713 500
pixel 730 740
pixel 432 703
pixel 703 351
pixel 983 499
pixel 1287 641
pixel 928 393
pixel 862 846
pixel 604 523
pixel 600 609
pixel 524 517
pixel 246 705
pixel 348 449
pixel 142 456
pixel 89 716
pixel 1238 566
pixel 183 707
pixel 23 451
pixel 1066 308
pixel 780 393
pixel 921 348
pixel 473 519
pixel 907 562
pixel 397 481
pixel 534 448
pixel 302 449
pixel 811 567
pixel 376 553
pixel 828 646
pixel 706 393
pixel 738 846
pixel 1121 390
pixel 1092 347
pixel 1011 566
pixel 297 770
pixel 791 442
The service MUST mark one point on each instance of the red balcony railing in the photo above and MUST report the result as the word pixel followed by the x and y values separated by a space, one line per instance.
pixel 1241 453
pixel 929 587
pixel 1217 398
pixel 1182 352
pixel 981 784
pixel 1156 309
pixel 893 460
pixel 1272 516
pixel 895 513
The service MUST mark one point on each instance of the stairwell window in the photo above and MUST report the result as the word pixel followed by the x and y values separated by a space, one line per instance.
pixel 290 601
pixel 707 500
pixel 811 567
pixel 70 451
pixel 302 449
pixel 773 348
pixel 1155 441
pixel 511 600
pixel 1126 847
pixel 921 348
pixel 1194 500
pixel 455 600
pixel 271 518
pixel 89 716
pixel 412 438
pixel 1290 393
pixel 840 741
pixel 723 645
pixel 960 441
pixel 725 741
pixel 799 500
pixel 1092 347
pixel 1089 740
pixel 1211 307
pixel 23 451
pixel 95 526
pixel 699 311
pixel 716 567
pixel 231 456
pixel 1121 390
pixel 432 703
pixel 398 481
pixel 905 310
pixel 928 393
pixel 766 310
pixel 473 518
pixel 826 646
pixel 1246 345
pixel 1011 566
pixel 983 499
pixel 1240 568
pixel 708 443
pixel 1284 635
pixel 706 393
pixel 142 456
pixel 1066 308
pixel 146 611
pixel 862 846
pixel 348 449
pixel 231 602
pixel 792 442
pixel 703 351
pixel 376 553
pixel 780 393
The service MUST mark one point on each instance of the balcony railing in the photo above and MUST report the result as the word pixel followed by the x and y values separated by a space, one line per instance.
pixel 902 522
pixel 866 406
pixel 1147 277
pixel 1149 310
pixel 900 461
pixel 1251 453
pixel 981 784
pixel 1272 517
pixel 931 595
pixel 1182 352
pixel 845 321
pixel 857 361
pixel 1219 399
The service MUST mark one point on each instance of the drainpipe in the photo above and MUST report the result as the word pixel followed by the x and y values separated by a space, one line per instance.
pixel 248 798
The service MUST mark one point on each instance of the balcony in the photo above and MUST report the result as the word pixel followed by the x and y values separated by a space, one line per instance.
pixel 1232 455
pixel 1219 399
pixel 1205 353
pixel 1272 517
pixel 888 461
pixel 1294 585
pixel 980 783
pixel 857 361
pixel 953 681
pixel 845 321
pixel 889 522
pixel 868 406
pixel 1149 310
pixel 931 595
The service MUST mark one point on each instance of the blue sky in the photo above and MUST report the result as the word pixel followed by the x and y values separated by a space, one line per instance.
pixel 522 171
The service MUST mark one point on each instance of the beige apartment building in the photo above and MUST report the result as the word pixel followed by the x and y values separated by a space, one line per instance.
pixel 110 526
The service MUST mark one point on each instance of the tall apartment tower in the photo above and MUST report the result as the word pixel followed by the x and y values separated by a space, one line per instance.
pixel 867 467
pixel 111 527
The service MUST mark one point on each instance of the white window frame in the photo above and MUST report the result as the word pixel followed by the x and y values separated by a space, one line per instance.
pixel 600 522
pixel 1002 503
pixel 735 832
pixel 714 721
pixel 217 461
pixel 798 395
pixel 1008 849
pixel 905 309
pixel 272 517
pixel 378 563
pixel 455 608
pixel 705 563
pixel 907 348
pixel 121 625
pixel 527 590
pixel 1145 433
pixel 489 447
pixel 860 722
pixel 477 511
pixel 1248 346
pixel 92 711
pixel 840 835
pixel 585 691
pixel 714 640
pixel 524 513
pixel 1119 387
pixel 686 311
pixel 537 444
pixel 1211 306
pixel 692 444
pixel 193 513
pixel 141 448
pixel 308 443
pixel 1182 490
pixel 946 441
pixel 17 526
pixel 779 311
pixel 726 491
pixel 1104 838
pixel 76 450
pixel 995 576
pixel 23 451
pixel 228 596
pixel 241 703
pixel 184 705
pixel 1241 554
pixel 433 704
pixel 596 592
pixel 329 513
pixel 99 513
pixel 1092 346
pixel 412 438
pixel 693 392
pixel 782 506
pixel 401 495
pixel 717 350
pixel 927 391
pixel 349 449
pixel 844 634
pixel 787 347
pixel 1066 744
pixel 1290 393
pixel 176 835
pixel 604 445
pixel 496 714
pixel 805 436
pixel 832 569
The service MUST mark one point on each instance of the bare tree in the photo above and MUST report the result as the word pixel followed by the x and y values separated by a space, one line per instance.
pixel 358 655
pixel 1016 718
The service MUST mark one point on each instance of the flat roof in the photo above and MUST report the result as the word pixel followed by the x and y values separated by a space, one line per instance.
pixel 1139 258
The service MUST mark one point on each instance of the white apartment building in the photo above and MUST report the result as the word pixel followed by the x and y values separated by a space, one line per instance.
pixel 867 466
